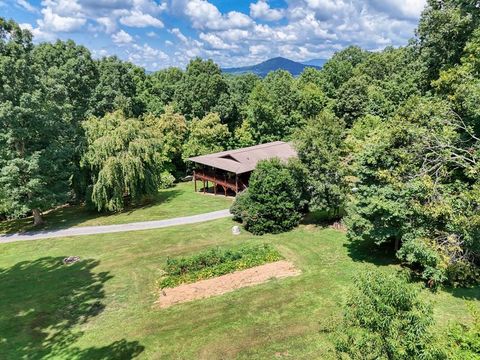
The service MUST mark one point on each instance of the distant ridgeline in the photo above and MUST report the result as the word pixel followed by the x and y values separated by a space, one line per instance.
pixel 262 69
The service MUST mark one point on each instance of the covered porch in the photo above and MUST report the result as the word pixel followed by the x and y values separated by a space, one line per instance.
pixel 222 182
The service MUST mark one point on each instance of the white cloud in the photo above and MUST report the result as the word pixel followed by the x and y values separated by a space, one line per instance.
pixel 205 15
pixel 122 38
pixel 409 9
pixel 261 10
pixel 27 6
pixel 179 34
pixel 108 23
pixel 140 20
pixel 215 42
pixel 53 22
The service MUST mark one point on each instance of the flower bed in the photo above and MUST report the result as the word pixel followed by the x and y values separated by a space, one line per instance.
pixel 216 262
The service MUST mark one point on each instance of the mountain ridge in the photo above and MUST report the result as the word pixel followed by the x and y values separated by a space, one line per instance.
pixel 276 63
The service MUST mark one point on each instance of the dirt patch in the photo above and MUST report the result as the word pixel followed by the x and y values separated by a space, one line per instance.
pixel 226 283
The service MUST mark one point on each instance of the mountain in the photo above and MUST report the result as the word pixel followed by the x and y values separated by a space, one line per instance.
pixel 315 62
pixel 262 69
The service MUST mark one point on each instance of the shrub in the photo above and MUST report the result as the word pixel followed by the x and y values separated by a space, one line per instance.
pixel 466 339
pixel 275 198
pixel 216 262
pixel 166 180
pixel 385 318
pixel 240 205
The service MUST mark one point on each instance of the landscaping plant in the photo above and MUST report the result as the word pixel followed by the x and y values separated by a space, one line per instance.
pixel 216 262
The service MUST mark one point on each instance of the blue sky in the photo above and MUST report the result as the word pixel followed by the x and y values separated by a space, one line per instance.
pixel 160 33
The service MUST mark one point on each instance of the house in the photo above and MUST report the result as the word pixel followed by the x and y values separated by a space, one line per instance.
pixel 230 170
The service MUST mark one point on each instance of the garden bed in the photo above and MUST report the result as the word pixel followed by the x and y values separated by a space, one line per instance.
pixel 216 262
pixel 226 283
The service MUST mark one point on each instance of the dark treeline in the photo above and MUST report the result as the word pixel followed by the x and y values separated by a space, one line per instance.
pixel 390 138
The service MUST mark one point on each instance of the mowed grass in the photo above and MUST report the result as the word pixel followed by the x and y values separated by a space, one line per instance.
pixel 180 200
pixel 103 306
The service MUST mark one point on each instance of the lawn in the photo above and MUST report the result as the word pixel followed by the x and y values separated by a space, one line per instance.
pixel 180 200
pixel 102 307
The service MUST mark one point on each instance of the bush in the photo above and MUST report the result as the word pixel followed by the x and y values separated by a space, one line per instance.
pixel 466 339
pixel 239 206
pixel 216 262
pixel 274 200
pixel 385 318
pixel 166 180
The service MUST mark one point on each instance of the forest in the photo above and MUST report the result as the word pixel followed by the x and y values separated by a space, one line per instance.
pixel 389 141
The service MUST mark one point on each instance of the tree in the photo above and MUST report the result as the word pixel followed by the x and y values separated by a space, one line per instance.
pixel 320 149
pixel 352 99
pixel 207 135
pixel 116 88
pixel 312 100
pixel 233 107
pixel 273 107
pixel 160 89
pixel 444 28
pixel 461 84
pixel 274 200
pixel 172 130
pixel 200 89
pixel 125 157
pixel 385 318
pixel 35 136
pixel 339 68
pixel 70 76
pixel 417 188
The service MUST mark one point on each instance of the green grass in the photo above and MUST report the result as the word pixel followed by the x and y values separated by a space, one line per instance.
pixel 180 200
pixel 102 307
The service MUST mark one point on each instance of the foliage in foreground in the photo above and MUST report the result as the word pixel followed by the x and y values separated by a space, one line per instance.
pixel 385 318
pixel 216 262
pixel 465 339
pixel 275 199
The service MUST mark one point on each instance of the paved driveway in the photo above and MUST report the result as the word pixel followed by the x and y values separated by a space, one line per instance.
pixel 90 230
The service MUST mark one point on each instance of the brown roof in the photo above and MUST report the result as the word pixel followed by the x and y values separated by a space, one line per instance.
pixel 245 160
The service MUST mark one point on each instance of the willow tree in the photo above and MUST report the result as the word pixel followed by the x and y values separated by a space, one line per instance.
pixel 125 158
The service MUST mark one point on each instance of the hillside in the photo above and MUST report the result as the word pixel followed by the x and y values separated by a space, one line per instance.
pixel 262 69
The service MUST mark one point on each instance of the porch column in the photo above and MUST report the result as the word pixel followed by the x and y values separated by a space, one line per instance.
pixel 195 180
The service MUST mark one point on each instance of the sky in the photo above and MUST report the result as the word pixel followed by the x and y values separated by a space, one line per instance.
pixel 160 33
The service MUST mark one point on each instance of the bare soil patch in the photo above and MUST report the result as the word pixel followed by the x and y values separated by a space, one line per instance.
pixel 226 283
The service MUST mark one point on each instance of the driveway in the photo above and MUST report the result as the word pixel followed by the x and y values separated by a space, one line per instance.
pixel 104 229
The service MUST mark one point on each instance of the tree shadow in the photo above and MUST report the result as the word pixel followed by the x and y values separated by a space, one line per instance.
pixel 320 218
pixel 369 252
pixel 68 216
pixel 42 302
pixel 471 293
pixel 164 196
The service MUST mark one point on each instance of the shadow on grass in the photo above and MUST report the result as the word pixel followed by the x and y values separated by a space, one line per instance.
pixel 320 218
pixel 472 293
pixel 41 304
pixel 68 216
pixel 369 252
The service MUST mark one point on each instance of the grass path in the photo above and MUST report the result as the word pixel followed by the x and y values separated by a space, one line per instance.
pixel 181 200
pixel 102 307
